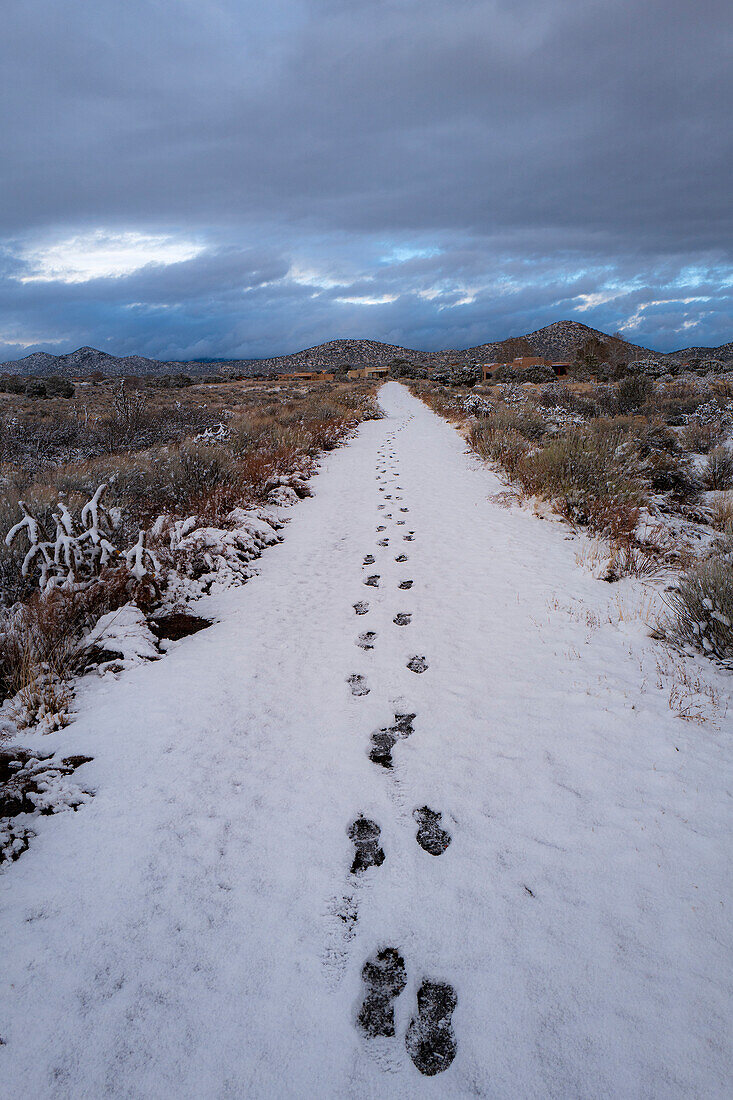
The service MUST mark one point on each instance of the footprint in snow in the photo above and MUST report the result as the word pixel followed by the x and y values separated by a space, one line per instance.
pixel 408 538
pixel 383 542
pixel 373 581
pixel 405 584
pixel 384 977
pixel 358 684
pixel 361 607
pixel 382 528
pixel 401 557
pixel 365 835
pixel 402 618
pixel 369 559
pixel 366 640
pixel 431 836
pixel 430 1039
pixel 384 740
pixel 400 523
pixel 404 509
pixel 417 664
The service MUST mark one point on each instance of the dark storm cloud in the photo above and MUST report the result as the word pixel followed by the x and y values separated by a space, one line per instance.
pixel 538 150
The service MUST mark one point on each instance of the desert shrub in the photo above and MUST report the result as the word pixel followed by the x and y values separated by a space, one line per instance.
pixel 721 512
pixel 456 375
pixel 11 383
pixel 701 608
pixel 59 387
pixel 437 397
pixel 588 476
pixel 669 473
pixel 505 446
pixel 632 393
pixel 662 465
pixel 718 470
pixel 557 396
pixel 525 422
pixel 39 637
pixel 702 437
pixel 536 374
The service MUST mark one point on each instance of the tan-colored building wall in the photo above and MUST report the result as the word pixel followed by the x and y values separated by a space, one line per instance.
pixel 368 372
pixel 306 376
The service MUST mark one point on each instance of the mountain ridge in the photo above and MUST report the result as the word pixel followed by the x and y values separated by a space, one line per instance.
pixel 558 340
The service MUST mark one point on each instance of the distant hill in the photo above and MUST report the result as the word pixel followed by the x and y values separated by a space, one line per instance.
pixel 558 341
pixel 724 352
pixel 90 361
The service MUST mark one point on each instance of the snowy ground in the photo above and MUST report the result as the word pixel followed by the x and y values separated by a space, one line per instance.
pixel 196 931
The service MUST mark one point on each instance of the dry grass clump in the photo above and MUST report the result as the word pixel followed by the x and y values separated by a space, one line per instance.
pixel 525 422
pixel 721 512
pixel 439 398
pixel 587 475
pixel 718 470
pixel 701 609
pixel 38 640
pixel 701 437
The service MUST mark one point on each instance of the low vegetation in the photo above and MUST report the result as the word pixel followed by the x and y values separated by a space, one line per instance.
pixel 155 464
pixel 645 465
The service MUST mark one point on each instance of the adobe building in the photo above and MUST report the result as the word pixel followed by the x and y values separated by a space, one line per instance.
pixel 522 362
pixel 306 376
pixel 369 372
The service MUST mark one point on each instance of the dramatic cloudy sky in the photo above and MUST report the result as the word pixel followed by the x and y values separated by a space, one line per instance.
pixel 186 178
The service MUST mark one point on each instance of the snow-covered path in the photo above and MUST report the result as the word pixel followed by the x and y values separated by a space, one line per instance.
pixel 196 931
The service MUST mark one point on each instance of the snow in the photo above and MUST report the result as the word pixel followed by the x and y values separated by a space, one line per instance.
pixel 124 632
pixel 196 931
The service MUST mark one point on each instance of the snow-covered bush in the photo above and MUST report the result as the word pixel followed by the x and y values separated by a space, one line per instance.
pixel 536 374
pixel 701 609
pixel 711 413
pixel 78 550
pixel 220 434
pixel 215 554
pixel 475 405
pixel 651 368
pixel 119 639
pixel 457 375
pixel 32 785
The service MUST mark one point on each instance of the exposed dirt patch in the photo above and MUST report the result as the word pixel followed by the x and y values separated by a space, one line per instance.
pixel 179 624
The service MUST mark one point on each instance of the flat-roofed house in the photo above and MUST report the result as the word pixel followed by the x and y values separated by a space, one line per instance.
pixel 306 376
pixel 368 372
pixel 522 362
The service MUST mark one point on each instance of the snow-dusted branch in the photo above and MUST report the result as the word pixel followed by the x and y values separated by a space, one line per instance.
pixel 72 558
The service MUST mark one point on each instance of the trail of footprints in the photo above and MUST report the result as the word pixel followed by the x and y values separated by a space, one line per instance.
pixel 430 1039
